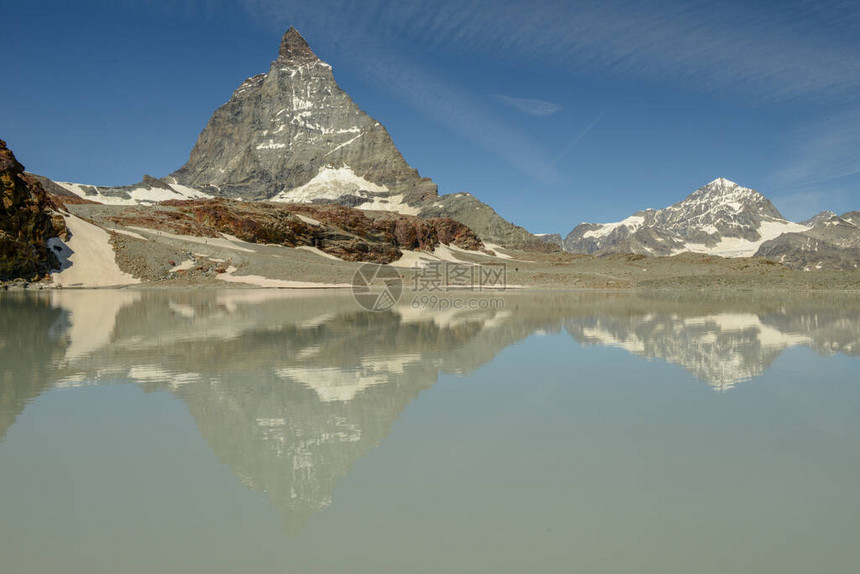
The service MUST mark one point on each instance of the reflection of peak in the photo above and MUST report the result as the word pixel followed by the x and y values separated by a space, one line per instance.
pixel 722 349
pixel 284 439
pixel 290 389
pixel 343 384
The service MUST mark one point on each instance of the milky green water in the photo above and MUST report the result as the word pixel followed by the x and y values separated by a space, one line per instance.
pixel 269 431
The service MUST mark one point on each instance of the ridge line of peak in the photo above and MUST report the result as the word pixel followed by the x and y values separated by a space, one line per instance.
pixel 723 181
pixel 294 47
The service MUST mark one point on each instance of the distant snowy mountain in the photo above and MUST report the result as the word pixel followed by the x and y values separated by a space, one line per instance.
pixel 721 218
pixel 832 243
pixel 818 218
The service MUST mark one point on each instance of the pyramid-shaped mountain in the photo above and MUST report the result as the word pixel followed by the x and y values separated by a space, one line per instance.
pixel 293 135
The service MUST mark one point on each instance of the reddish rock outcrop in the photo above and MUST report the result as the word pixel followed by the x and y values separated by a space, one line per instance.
pixel 26 223
pixel 348 233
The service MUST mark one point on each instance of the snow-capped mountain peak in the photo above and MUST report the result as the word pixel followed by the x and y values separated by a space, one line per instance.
pixel 726 192
pixel 720 218
pixel 722 187
pixel 294 126
pixel 722 182
pixel 820 217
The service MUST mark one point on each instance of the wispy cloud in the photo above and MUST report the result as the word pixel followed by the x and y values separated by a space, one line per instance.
pixel 451 106
pixel 759 53
pixel 577 138
pixel 528 106
pixel 800 206
pixel 822 169
pixel 825 150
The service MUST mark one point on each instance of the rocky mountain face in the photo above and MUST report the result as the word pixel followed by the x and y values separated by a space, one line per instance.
pixel 554 239
pixel 482 219
pixel 26 223
pixel 293 135
pixel 721 218
pixel 833 243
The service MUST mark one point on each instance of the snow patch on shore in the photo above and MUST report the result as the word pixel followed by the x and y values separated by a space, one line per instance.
pixel 318 251
pixel 260 281
pixel 226 241
pixel 87 259
pixel 496 250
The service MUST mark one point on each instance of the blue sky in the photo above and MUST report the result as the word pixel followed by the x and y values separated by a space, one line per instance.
pixel 552 112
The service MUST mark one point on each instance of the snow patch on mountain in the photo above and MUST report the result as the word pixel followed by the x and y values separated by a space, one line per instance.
pixel 133 195
pixel 342 384
pixel 333 184
pixel 395 203
pixel 631 223
pixel 739 247
pixel 87 258
pixel 330 183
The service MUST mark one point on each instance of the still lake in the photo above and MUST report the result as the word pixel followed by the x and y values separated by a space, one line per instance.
pixel 274 431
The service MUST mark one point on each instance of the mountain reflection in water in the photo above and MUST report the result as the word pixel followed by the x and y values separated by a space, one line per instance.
pixel 290 389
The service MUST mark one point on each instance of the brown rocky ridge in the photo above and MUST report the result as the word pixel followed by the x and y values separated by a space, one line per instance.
pixel 347 233
pixel 26 223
